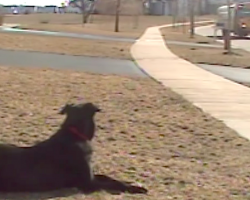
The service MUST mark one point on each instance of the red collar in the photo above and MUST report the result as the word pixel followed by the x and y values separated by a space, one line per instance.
pixel 78 134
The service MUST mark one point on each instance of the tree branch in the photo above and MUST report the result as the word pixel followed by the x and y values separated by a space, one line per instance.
pixel 81 6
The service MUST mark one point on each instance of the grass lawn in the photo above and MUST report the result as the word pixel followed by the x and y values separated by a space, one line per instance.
pixel 98 24
pixel 63 45
pixel 101 25
pixel 147 134
pixel 239 58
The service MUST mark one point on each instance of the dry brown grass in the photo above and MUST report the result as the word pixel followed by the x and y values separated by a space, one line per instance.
pixel 207 55
pixel 147 134
pixel 213 56
pixel 62 45
pixel 181 33
pixel 99 24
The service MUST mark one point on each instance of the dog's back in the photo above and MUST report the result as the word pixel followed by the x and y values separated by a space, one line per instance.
pixel 29 168
pixel 42 167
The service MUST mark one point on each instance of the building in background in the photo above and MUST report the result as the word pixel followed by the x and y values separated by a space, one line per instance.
pixel 128 7
pixel 170 7
pixel 166 7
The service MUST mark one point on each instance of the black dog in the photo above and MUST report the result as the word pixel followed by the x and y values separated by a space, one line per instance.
pixel 62 161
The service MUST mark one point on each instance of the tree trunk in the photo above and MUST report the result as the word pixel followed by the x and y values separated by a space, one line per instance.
pixel 85 13
pixel 191 10
pixel 85 19
pixel 89 12
pixel 82 7
pixel 227 32
pixel 117 15
pixel 174 6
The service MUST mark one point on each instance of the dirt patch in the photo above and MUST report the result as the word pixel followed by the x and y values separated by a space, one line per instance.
pixel 98 24
pixel 63 45
pixel 239 58
pixel 147 133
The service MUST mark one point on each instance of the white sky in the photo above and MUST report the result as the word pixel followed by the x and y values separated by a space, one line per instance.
pixel 32 2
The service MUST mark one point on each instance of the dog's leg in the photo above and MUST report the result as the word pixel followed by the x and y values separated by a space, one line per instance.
pixel 88 182
pixel 102 182
pixel 107 183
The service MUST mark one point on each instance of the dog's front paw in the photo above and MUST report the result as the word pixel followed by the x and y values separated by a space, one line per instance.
pixel 137 189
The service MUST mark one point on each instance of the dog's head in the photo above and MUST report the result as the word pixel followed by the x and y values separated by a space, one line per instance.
pixel 80 117
pixel 78 110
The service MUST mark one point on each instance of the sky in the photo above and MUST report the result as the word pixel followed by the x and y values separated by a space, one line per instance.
pixel 32 2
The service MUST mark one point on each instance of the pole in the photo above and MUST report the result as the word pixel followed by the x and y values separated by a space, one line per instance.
pixel 136 14
pixel 174 12
pixel 227 33
pixel 117 15
pixel 191 10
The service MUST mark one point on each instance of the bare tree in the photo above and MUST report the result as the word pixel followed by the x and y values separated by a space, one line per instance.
pixel 86 7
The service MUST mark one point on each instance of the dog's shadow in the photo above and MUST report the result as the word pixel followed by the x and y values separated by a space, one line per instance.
pixel 70 192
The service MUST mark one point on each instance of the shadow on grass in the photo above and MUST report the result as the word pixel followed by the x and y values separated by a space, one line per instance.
pixel 110 185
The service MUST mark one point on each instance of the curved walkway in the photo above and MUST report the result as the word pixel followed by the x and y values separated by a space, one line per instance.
pixel 81 63
pixel 221 98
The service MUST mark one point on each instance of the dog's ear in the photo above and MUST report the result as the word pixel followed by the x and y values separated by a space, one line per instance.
pixel 65 109
pixel 93 107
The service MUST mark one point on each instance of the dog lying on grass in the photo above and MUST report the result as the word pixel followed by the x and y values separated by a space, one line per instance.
pixel 62 161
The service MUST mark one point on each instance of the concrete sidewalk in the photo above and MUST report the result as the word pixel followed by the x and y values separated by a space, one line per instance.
pixel 221 98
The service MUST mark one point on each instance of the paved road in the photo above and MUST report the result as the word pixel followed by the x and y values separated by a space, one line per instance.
pixel 64 34
pixel 231 73
pixel 236 43
pixel 82 63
